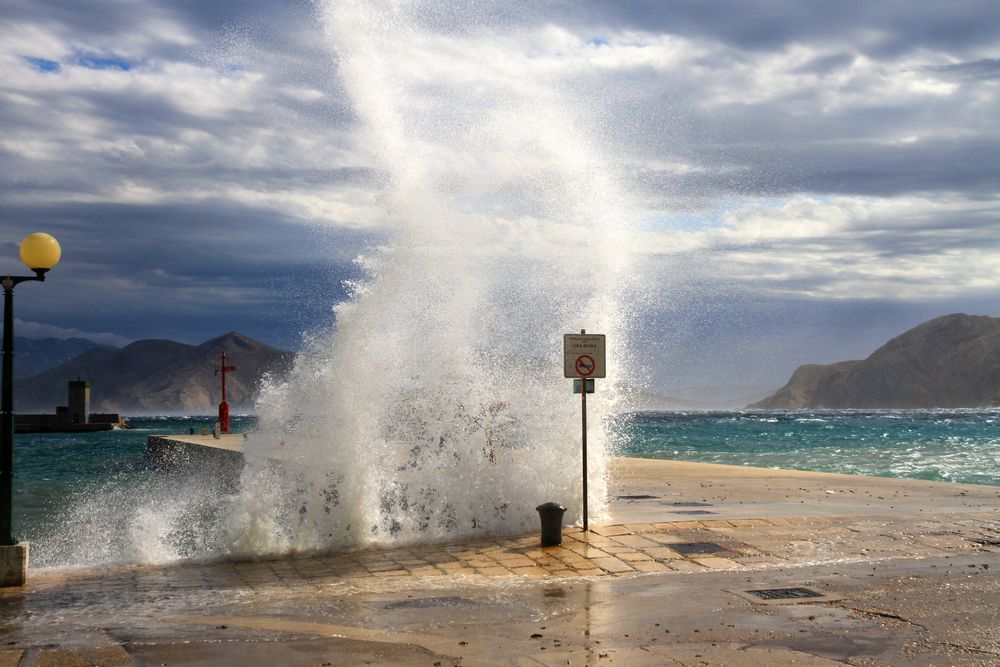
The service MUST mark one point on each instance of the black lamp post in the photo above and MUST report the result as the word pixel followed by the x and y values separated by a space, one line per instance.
pixel 40 252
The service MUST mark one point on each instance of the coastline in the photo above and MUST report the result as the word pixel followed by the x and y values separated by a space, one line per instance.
pixel 650 585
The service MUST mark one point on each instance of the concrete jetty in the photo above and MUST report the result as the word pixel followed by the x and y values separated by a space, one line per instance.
pixel 696 564
pixel 188 449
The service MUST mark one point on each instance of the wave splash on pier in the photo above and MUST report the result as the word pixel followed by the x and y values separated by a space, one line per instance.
pixel 437 407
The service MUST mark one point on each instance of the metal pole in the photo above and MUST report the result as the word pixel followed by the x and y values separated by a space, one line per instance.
pixel 7 419
pixel 583 381
pixel 583 404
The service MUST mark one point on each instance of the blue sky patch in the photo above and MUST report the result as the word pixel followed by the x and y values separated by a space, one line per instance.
pixel 43 65
pixel 96 61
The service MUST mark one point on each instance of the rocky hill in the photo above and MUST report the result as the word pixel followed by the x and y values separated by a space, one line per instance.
pixel 157 376
pixel 949 362
pixel 34 355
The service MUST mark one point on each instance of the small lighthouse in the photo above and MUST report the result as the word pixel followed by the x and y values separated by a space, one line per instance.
pixel 223 406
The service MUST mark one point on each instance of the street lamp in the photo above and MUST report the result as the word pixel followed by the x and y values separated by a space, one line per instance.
pixel 40 252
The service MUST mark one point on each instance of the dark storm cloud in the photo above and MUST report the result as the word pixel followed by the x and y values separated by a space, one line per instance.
pixel 987 69
pixel 966 230
pixel 187 272
pixel 827 63
pixel 97 17
pixel 871 168
pixel 969 165
pixel 847 136
pixel 878 28
pixel 277 26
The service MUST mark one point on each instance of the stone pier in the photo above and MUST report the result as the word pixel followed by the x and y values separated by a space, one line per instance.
pixel 182 450
pixel 694 564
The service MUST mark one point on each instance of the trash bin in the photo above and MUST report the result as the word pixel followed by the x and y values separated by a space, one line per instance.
pixel 551 515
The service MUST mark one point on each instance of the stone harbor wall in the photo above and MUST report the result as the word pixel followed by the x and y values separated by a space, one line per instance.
pixel 59 423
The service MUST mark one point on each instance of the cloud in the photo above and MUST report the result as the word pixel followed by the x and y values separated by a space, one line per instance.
pixel 840 248
pixel 188 272
pixel 39 330
pixel 987 68
pixel 204 161
pixel 881 29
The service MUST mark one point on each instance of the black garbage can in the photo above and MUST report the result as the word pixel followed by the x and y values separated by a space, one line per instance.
pixel 551 515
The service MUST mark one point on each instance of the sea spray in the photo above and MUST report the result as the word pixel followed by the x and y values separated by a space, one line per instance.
pixel 142 513
pixel 437 408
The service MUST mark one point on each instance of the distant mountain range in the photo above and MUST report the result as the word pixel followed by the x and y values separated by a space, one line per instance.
pixel 34 355
pixel 948 362
pixel 157 376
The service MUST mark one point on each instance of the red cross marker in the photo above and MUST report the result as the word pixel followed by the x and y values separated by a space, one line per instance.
pixel 223 406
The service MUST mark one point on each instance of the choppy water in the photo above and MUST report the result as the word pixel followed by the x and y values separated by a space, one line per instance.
pixel 92 498
pixel 952 446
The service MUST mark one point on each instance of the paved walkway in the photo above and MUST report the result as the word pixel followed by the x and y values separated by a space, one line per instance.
pixel 607 550
pixel 483 602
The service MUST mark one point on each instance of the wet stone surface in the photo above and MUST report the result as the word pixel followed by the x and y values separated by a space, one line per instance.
pixel 907 588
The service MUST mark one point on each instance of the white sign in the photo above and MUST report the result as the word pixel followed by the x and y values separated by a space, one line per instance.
pixel 583 356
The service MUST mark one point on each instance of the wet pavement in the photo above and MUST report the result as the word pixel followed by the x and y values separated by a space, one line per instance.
pixel 892 572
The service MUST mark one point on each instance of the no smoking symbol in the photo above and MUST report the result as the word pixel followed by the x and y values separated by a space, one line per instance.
pixel 585 365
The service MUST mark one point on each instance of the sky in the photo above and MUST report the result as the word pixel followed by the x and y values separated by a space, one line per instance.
pixel 815 178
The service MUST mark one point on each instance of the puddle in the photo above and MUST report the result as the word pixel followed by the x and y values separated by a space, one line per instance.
pixel 427 603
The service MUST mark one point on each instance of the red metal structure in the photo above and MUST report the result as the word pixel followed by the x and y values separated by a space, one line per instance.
pixel 223 406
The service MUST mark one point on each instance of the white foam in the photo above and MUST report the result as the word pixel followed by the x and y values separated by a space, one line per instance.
pixel 437 408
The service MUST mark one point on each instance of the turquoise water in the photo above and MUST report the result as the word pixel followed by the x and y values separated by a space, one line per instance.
pixel 95 498
pixel 952 446
pixel 70 488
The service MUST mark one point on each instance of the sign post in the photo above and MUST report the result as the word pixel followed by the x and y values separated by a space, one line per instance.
pixel 583 358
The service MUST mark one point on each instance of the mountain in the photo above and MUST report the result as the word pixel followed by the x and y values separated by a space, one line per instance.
pixel 949 362
pixel 158 376
pixel 34 355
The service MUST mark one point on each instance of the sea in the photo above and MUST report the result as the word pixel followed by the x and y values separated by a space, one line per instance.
pixel 66 486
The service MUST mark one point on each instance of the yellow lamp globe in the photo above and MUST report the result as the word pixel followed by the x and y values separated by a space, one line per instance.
pixel 40 252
